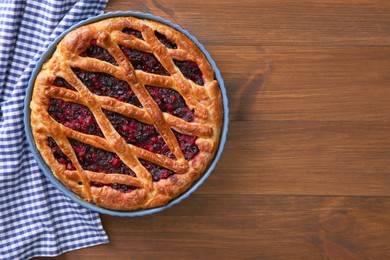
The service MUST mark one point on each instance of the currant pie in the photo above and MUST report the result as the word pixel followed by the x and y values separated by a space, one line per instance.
pixel 127 113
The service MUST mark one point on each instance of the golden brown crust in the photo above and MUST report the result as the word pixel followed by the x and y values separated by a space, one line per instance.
pixel 205 100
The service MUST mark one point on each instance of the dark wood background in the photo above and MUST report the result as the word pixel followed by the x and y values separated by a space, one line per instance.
pixel 306 169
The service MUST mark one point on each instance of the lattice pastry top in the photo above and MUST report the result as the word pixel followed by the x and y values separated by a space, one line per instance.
pixel 127 113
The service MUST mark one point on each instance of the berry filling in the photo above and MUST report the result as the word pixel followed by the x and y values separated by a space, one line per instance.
pixel 139 134
pixel 59 155
pixel 99 160
pixel 103 84
pixel 187 145
pixel 184 113
pixel 74 116
pixel 116 186
pixel 133 32
pixel 144 61
pixel 190 70
pixel 170 101
pixel 99 53
pixel 110 162
pixel 62 83
pixel 158 172
pixel 146 136
pixel 164 40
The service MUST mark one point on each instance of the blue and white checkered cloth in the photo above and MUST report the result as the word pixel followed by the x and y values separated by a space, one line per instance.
pixel 35 218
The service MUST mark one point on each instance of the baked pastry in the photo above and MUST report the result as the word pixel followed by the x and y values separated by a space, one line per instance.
pixel 127 113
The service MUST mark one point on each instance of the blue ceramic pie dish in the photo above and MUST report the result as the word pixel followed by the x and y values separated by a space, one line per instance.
pixel 45 168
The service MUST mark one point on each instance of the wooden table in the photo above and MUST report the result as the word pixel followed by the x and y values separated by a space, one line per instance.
pixel 306 169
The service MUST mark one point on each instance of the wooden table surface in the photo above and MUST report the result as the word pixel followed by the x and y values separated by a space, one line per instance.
pixel 306 169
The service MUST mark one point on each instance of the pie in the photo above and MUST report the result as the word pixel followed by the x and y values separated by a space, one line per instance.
pixel 127 113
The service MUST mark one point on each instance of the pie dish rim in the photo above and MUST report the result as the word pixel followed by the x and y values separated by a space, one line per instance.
pixel 46 169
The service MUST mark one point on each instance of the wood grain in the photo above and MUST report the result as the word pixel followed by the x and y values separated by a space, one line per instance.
pixel 306 83
pixel 274 22
pixel 304 158
pixel 306 172
pixel 252 227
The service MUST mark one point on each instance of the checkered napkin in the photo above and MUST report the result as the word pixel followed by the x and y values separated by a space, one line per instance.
pixel 35 218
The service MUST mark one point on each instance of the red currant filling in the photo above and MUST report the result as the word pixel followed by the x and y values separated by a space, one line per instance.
pixel 164 40
pixel 161 37
pixel 170 101
pixel 62 83
pixel 133 32
pixel 158 172
pixel 190 70
pixel 187 145
pixel 74 116
pixel 88 156
pixel 146 136
pixel 59 155
pixel 144 61
pixel 116 186
pixel 99 160
pixel 99 53
pixel 139 134
pixel 103 84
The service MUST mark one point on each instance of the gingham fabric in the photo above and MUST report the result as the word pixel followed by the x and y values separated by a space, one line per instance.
pixel 35 218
